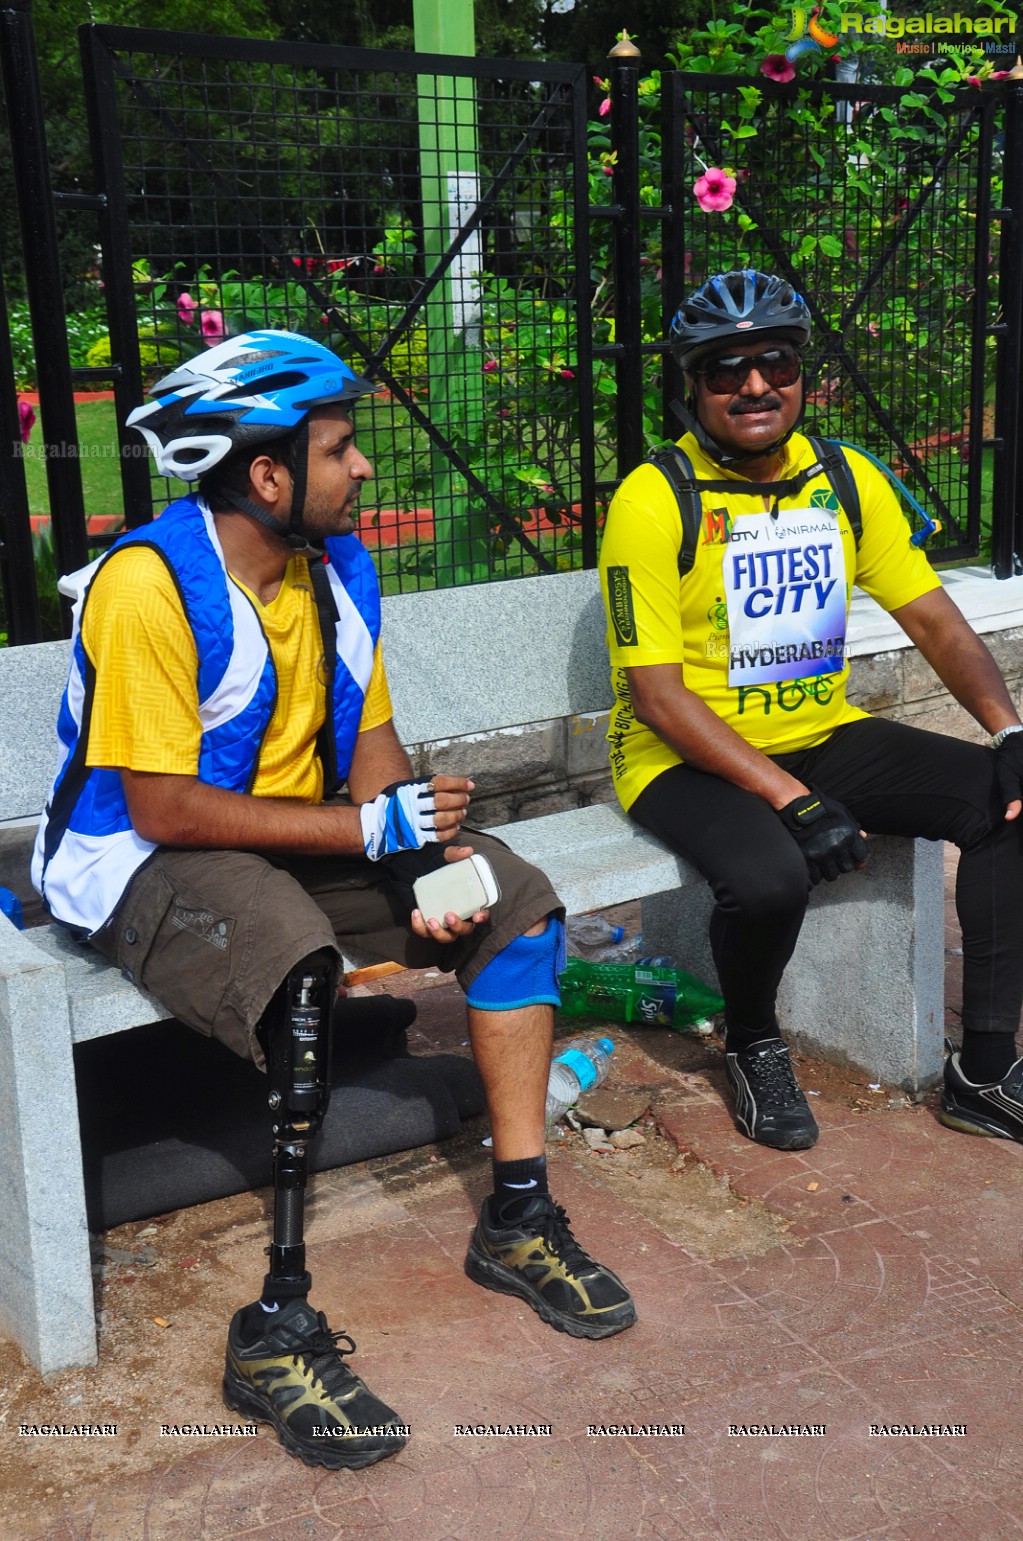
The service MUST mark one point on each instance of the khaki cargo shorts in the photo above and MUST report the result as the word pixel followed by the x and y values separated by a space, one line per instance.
pixel 212 934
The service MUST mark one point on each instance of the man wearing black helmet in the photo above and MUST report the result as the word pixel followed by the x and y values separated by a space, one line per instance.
pixel 727 576
pixel 233 800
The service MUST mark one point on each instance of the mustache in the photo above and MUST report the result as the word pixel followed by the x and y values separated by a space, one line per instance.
pixel 762 404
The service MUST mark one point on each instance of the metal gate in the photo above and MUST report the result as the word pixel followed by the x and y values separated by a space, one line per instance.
pixel 425 216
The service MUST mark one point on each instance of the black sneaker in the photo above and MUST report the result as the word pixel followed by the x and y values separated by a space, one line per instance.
pixel 993 1107
pixel 293 1375
pixel 537 1258
pixel 769 1106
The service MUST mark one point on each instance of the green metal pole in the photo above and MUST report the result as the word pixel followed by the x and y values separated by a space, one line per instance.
pixel 449 167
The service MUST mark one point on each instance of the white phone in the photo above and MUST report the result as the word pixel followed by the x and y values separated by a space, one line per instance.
pixel 459 887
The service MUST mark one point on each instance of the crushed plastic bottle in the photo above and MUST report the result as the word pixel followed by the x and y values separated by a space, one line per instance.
pixel 600 940
pixel 578 1067
pixel 10 905
pixel 657 997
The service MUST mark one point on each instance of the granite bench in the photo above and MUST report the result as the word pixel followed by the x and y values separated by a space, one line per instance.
pixel 461 664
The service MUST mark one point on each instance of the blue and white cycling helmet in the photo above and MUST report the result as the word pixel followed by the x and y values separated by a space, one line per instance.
pixel 245 391
pixel 242 393
pixel 731 307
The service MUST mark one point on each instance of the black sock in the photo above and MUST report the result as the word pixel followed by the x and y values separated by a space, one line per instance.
pixel 516 1183
pixel 739 1039
pixel 986 1057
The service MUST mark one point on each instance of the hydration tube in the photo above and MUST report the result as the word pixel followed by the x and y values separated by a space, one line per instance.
pixel 929 526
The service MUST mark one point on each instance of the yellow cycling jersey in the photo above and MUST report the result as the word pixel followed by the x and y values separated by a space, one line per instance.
pixel 145 713
pixel 758 625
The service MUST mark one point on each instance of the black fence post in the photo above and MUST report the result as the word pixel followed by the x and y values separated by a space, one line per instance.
pixel 625 57
pixel 1007 499
pixel 31 168
pixel 674 277
pixel 17 568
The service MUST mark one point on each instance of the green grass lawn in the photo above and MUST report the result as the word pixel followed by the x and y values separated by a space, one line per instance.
pixel 100 461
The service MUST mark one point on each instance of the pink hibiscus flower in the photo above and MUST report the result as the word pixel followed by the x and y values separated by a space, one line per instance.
pixel 714 190
pixel 211 324
pixel 187 308
pixel 777 67
pixel 26 419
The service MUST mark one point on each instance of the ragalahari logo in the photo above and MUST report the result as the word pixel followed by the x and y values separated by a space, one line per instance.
pixel 808 36
pixel 929 31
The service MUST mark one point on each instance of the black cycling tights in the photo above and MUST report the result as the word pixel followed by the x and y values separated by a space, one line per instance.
pixel 896 780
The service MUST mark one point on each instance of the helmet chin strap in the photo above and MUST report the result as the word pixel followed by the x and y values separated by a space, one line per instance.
pixel 724 457
pixel 292 531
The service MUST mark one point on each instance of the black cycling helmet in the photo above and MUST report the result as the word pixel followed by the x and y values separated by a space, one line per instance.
pixel 731 307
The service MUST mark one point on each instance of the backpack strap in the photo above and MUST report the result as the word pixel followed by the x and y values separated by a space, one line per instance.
pixel 843 483
pixel 676 465
pixel 326 611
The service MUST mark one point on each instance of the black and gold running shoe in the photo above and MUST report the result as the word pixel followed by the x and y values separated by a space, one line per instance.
pixel 537 1258
pixel 292 1375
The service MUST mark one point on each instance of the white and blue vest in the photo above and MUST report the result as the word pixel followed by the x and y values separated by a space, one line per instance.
pixel 86 851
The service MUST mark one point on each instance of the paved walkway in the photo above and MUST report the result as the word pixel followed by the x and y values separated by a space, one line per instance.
pixel 869 1285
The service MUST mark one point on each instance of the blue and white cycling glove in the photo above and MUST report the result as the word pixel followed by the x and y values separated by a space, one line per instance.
pixel 399 819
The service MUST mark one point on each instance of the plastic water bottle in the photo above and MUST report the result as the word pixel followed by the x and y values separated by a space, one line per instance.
pixel 10 905
pixel 575 1069
pixel 623 992
pixel 593 937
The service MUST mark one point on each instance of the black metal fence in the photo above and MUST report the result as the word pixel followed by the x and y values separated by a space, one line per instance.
pixel 445 225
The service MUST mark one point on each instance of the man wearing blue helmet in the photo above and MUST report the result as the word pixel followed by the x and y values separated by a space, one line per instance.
pixel 727 563
pixel 233 799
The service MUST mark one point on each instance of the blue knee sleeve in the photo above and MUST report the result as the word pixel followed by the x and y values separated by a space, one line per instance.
pixel 525 973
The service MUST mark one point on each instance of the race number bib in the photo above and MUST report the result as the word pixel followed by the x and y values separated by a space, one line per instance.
pixel 785 591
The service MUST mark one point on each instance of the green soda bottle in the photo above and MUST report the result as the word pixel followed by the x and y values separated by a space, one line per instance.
pixel 632 992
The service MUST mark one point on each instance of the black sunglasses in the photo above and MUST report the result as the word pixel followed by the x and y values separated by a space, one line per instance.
pixel 777 368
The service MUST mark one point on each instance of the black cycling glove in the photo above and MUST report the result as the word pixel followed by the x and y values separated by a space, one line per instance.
pixel 404 867
pixel 1009 768
pixel 827 834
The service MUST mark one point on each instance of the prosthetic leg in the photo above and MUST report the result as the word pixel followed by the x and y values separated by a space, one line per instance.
pixel 284 1365
pixel 295 1035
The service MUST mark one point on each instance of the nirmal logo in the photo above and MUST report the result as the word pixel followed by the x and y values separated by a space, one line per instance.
pixel 808 36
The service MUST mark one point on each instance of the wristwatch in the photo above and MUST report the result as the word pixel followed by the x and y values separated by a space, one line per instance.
pixel 998 739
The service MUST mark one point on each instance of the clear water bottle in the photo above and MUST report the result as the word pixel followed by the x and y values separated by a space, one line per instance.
pixel 577 1068
pixel 10 905
pixel 600 940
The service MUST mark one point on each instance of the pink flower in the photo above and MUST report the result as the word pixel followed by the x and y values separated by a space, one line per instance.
pixel 714 190
pixel 777 67
pixel 187 308
pixel 567 374
pixel 605 107
pixel 973 80
pixel 26 419
pixel 490 366
pixel 211 324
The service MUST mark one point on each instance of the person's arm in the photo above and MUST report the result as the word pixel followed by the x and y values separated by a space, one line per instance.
pixel 938 629
pixel 185 812
pixel 663 702
pixel 960 659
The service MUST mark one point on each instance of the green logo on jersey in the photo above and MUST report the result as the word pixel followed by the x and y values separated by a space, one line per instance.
pixel 824 498
pixel 619 599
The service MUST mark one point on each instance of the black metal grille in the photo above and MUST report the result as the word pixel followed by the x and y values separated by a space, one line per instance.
pixel 425 217
pixel 883 225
